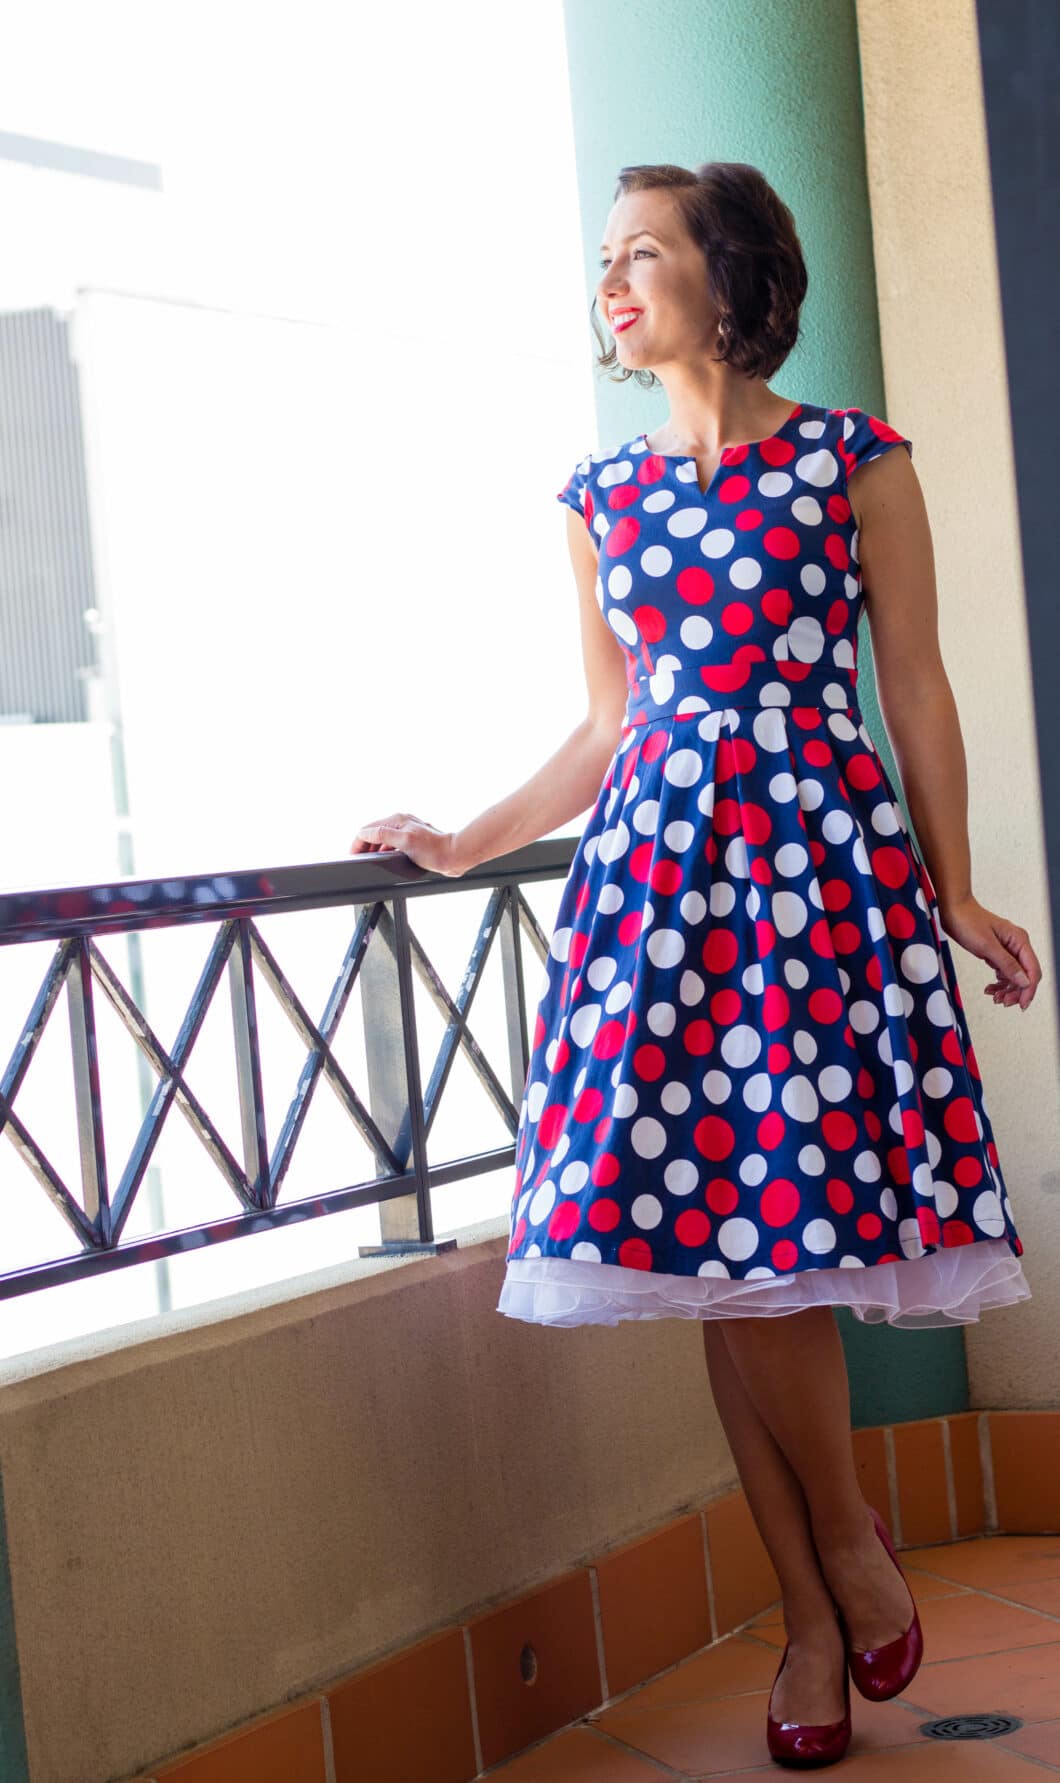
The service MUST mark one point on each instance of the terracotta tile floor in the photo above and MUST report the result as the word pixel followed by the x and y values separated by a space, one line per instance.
pixel 990 1610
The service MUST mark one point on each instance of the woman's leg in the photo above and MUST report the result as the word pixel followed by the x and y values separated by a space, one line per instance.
pixel 793 1370
pixel 810 1689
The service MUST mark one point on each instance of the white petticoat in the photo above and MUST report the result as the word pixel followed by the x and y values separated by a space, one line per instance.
pixel 944 1287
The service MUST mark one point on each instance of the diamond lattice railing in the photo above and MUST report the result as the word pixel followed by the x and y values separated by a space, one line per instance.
pixel 384 959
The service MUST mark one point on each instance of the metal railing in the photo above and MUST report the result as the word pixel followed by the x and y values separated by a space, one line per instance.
pixel 382 956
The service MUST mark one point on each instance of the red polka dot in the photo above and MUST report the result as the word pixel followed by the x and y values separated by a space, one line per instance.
pixel 825 1006
pixel 726 1007
pixel 780 1202
pixel 734 488
pixel 869 1225
pixel 649 1062
pixel 958 1118
pixel 604 1170
pixel 957 1232
pixel 694 585
pixel 840 1195
pixel 551 1125
pixel 720 952
pixel 622 536
pixel 776 1008
pixel 604 1215
pixel 757 824
pixel 784 1255
pixel 780 541
pixel 839 1130
pixel 722 1195
pixel 650 622
pixel 862 772
pixel 698 1038
pixel 890 866
pixel 692 1227
pixel 588 1105
pixel 634 1253
pixel 609 1039
pixel 771 1131
pixel 666 877
pixel 777 605
pixel 564 1221
pixel 737 618
pixel 714 1137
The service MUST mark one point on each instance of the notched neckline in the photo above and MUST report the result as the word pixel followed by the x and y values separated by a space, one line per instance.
pixel 799 409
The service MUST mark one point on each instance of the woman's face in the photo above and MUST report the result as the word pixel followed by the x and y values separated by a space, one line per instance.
pixel 649 263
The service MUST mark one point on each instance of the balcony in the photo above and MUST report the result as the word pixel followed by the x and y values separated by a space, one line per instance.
pixel 355 1519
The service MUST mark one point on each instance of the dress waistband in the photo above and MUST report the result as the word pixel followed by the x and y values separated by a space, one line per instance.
pixel 690 690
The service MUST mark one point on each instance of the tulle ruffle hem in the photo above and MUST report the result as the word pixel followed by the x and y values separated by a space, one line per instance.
pixel 943 1287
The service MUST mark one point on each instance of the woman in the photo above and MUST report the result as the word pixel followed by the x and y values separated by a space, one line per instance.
pixel 752 1089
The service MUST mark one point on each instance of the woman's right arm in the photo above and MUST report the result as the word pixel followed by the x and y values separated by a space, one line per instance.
pixel 568 783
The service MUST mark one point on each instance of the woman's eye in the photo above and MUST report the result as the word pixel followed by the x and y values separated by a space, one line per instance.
pixel 636 251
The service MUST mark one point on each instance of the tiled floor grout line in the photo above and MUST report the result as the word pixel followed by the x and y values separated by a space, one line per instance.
pixel 329 1744
pixel 986 1465
pixel 472 1697
pixel 665 1769
pixel 951 1482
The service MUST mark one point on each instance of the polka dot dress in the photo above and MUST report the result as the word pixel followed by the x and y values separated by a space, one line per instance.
pixel 752 1086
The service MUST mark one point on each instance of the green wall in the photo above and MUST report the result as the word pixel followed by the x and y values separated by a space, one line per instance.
pixel 776 83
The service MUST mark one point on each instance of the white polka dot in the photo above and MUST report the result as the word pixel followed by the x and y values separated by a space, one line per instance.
pixel 740 1045
pixel 738 1239
pixel 745 572
pixel 647 1137
pixel 666 947
pixel 819 468
pixel 919 962
pixel 542 1204
pixel 646 1212
pixel 656 561
pixel 819 1237
pixel 683 767
pixel 684 523
pixel 799 1099
pixel 681 1176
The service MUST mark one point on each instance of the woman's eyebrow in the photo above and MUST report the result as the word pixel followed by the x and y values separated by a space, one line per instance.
pixel 633 237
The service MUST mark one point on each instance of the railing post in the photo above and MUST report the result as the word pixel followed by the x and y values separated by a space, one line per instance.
pixel 85 1057
pixel 395 1090
pixel 248 1065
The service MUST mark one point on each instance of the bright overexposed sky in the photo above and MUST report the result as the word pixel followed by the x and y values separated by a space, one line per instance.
pixel 324 432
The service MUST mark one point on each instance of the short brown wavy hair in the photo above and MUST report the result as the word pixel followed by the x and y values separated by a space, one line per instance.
pixel 755 265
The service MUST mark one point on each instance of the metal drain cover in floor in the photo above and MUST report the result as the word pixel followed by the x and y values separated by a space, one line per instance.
pixel 971 1727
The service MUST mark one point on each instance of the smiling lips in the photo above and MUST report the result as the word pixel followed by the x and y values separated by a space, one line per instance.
pixel 620 327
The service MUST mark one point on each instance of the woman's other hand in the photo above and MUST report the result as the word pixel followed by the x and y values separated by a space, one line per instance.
pixel 401 833
pixel 1002 944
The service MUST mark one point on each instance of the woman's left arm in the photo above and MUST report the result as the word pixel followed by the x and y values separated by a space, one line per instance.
pixel 897 561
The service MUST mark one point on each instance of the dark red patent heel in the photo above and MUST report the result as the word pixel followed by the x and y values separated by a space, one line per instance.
pixel 801 1743
pixel 882 1672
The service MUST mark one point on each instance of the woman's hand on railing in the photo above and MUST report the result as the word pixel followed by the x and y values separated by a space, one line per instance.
pixel 1002 944
pixel 401 833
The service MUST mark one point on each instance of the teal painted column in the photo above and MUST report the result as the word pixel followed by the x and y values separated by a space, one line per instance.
pixel 14 1761
pixel 779 85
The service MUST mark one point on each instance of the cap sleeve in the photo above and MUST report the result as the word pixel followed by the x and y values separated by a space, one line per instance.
pixel 865 437
pixel 576 492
